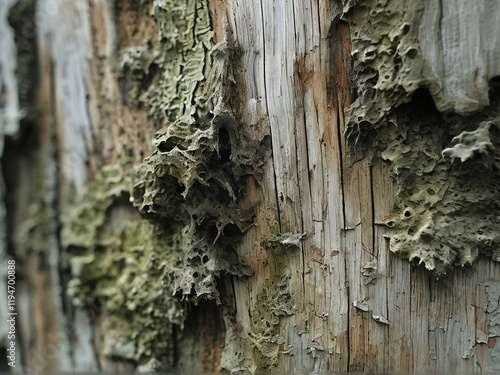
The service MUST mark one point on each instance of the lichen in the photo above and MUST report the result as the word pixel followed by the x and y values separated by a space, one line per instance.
pixel 118 259
pixel 184 196
pixel 264 337
pixel 446 166
pixel 197 173
pixel 448 201
pixel 472 143
pixel 274 302
pixel 401 46
pixel 387 60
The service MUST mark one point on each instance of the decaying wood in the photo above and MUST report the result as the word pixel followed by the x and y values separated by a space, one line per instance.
pixel 299 89
pixel 327 294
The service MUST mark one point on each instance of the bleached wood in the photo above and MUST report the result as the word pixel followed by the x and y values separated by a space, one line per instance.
pixel 287 62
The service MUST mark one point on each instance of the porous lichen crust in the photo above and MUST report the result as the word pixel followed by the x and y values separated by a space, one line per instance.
pixel 118 260
pixel 446 166
pixel 147 269
pixel 264 338
pixel 197 172
pixel 448 202
pixel 387 64
pixel 273 303
pixel 399 46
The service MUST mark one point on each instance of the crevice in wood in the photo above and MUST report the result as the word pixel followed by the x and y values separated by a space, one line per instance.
pixel 278 210
pixel 303 251
pixel 342 240
pixel 374 251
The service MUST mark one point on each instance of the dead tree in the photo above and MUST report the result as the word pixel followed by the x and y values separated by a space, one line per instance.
pixel 212 185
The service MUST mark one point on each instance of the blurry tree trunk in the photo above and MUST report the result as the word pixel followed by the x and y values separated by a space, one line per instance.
pixel 326 293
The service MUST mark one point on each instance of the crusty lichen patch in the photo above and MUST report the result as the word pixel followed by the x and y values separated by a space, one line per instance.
pixel 264 337
pixel 118 259
pixel 386 58
pixel 197 173
pixel 446 166
pixel 402 45
pixel 274 301
pixel 150 239
pixel 448 203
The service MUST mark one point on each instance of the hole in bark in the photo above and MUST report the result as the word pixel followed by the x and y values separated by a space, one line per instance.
pixel 494 85
pixel 179 189
pixel 231 230
pixel 405 30
pixel 212 231
pixel 421 101
pixel 169 144
pixel 195 261
pixel 407 213
pixel 153 71
pixel 430 191
pixel 224 144
pixel 412 53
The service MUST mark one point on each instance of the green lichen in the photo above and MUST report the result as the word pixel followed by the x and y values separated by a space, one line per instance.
pixel 197 173
pixel 146 270
pixel 264 337
pixel 399 46
pixel 448 201
pixel 119 259
pixel 387 63
pixel 274 302
pixel 446 166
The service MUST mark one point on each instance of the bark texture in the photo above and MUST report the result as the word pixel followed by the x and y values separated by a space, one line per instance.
pixel 239 185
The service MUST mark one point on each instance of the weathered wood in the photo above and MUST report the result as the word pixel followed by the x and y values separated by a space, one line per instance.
pixel 342 206
pixel 327 293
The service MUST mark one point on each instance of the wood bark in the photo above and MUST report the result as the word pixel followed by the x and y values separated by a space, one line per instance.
pixel 327 293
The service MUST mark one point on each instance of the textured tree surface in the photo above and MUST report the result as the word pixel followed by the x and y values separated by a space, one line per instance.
pixel 251 185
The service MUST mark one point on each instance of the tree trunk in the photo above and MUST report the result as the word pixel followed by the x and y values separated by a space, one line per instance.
pixel 250 185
